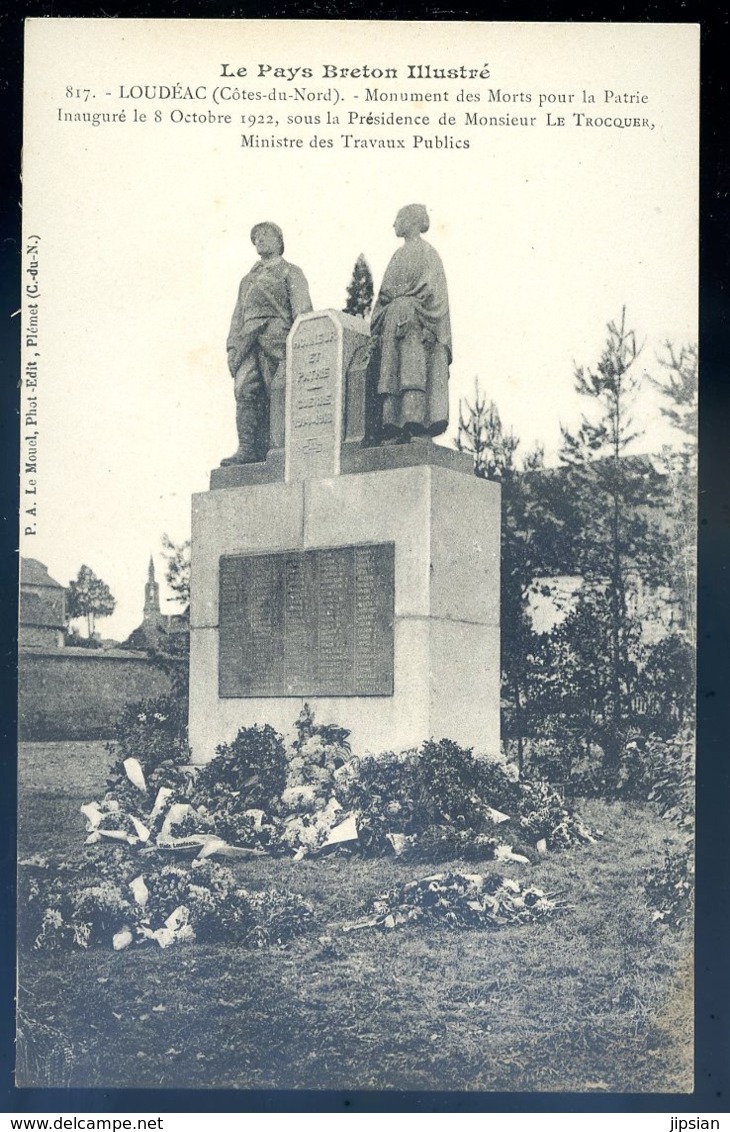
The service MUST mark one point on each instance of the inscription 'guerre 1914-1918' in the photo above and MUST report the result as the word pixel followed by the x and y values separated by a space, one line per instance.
pixel 312 622
pixel 314 399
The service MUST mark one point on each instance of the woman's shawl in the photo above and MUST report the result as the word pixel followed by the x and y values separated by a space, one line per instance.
pixel 416 272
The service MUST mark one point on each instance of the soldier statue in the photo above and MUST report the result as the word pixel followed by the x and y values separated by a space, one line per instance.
pixel 270 297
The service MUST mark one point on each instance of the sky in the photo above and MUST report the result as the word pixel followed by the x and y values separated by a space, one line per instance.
pixel 545 234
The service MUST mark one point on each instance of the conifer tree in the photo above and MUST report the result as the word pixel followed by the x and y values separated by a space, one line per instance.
pixel 177 568
pixel 618 497
pixel 677 383
pixel 360 289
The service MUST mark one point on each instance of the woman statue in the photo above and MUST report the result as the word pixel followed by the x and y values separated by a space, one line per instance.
pixel 412 331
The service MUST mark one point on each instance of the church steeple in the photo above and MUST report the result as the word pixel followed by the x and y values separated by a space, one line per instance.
pixel 151 593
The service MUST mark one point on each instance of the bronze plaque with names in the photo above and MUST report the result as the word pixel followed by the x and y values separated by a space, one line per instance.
pixel 307 622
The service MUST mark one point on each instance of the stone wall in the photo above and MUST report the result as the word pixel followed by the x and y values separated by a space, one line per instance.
pixel 41 636
pixel 78 693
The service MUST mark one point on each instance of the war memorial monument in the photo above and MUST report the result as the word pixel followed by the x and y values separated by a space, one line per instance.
pixel 341 557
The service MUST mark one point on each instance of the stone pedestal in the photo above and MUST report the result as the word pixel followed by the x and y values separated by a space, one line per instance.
pixel 364 581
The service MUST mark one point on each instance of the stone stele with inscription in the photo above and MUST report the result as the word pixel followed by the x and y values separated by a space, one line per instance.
pixel 327 358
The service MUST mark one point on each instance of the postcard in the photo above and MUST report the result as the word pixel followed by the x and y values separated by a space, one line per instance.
pixel 358 514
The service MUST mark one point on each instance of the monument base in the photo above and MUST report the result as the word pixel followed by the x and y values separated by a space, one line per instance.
pixel 444 526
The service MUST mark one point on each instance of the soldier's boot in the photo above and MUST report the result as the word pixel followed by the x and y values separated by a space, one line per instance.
pixel 246 424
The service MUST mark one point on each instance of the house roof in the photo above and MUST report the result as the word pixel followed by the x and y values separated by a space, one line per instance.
pixel 34 573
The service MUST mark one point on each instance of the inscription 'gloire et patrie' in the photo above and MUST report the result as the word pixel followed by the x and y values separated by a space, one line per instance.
pixel 314 381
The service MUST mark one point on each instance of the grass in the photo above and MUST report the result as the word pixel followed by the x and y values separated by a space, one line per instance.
pixel 596 999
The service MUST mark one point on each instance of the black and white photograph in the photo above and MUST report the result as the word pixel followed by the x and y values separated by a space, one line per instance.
pixel 358 514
